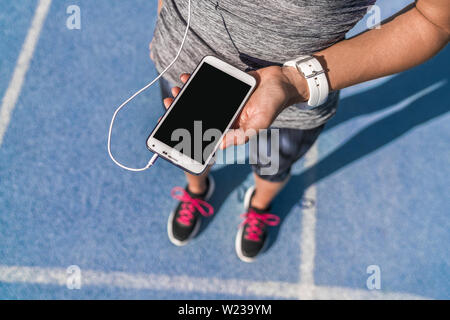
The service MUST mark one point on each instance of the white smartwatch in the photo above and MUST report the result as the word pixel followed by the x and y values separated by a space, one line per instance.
pixel 310 68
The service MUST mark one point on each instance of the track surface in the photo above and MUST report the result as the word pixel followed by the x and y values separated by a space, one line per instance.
pixel 373 191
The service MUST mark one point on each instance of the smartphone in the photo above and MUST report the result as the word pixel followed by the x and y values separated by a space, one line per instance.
pixel 192 128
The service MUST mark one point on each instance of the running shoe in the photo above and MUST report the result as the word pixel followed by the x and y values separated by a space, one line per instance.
pixel 185 221
pixel 251 237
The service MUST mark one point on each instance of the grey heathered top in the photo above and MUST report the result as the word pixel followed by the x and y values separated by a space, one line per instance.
pixel 271 30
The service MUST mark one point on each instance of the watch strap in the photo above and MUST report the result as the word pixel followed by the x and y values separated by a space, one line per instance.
pixel 311 69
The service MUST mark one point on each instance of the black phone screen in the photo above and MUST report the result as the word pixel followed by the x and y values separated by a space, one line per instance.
pixel 209 101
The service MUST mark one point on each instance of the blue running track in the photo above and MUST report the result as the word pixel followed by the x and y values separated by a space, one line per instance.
pixel 373 191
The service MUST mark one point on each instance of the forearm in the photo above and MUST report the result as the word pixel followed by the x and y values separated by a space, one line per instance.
pixel 402 43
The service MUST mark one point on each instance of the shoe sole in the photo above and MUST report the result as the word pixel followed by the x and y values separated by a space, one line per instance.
pixel 180 243
pixel 237 241
pixel 237 245
pixel 248 197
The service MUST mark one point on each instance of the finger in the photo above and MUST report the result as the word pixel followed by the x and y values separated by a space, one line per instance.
pixel 167 102
pixel 184 77
pixel 234 137
pixel 175 91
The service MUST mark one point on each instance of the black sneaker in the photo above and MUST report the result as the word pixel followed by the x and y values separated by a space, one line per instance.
pixel 252 234
pixel 184 222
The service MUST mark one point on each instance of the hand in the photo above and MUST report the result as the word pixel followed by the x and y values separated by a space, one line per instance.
pixel 277 88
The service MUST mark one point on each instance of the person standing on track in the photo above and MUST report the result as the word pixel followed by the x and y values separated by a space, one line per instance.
pixel 259 37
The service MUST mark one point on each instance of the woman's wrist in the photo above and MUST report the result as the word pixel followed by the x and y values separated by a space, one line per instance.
pixel 298 90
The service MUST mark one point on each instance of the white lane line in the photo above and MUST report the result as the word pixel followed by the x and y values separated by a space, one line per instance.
pixel 308 232
pixel 15 86
pixel 142 281
pixel 340 293
pixel 58 276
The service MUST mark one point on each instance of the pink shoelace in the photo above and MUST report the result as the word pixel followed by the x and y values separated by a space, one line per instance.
pixel 256 221
pixel 189 205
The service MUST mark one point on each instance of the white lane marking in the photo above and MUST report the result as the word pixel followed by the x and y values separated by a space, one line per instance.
pixel 15 86
pixel 142 281
pixel 58 276
pixel 340 293
pixel 308 232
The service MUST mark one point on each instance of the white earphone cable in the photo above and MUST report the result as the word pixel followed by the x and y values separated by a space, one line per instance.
pixel 155 156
